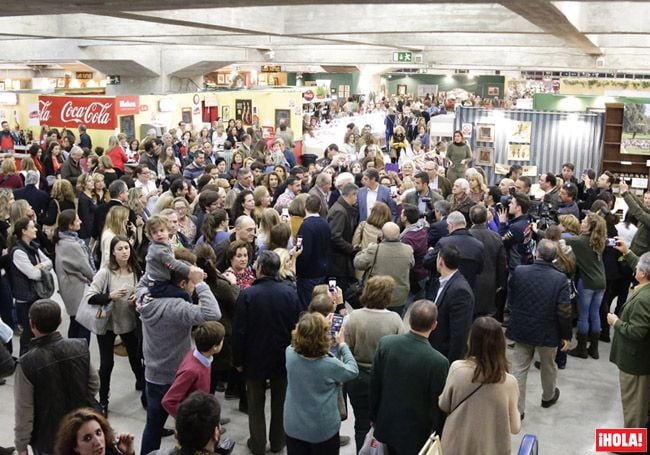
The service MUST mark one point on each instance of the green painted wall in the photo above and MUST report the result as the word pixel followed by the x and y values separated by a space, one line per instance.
pixel 478 84
pixel 576 103
pixel 351 79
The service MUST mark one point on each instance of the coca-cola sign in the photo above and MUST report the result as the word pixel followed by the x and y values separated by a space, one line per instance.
pixel 72 111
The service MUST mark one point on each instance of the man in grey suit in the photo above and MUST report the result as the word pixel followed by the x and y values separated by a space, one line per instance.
pixel 322 190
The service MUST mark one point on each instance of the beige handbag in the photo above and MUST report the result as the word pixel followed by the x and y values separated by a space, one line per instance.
pixel 433 446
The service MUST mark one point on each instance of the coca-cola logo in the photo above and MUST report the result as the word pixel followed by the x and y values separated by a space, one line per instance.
pixel 44 109
pixel 97 113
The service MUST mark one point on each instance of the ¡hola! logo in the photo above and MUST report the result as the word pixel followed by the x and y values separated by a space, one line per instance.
pixel 621 440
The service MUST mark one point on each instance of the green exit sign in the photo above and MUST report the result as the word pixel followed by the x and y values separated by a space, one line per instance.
pixel 113 80
pixel 404 57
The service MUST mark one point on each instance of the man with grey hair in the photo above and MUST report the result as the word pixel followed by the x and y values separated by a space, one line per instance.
pixel 37 198
pixel 261 334
pixel 438 228
pixel 322 190
pixel 459 198
pixel 540 320
pixel 70 169
pixel 390 257
pixel 471 250
pixel 343 218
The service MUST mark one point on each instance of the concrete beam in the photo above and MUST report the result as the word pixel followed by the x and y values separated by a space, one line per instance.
pixel 545 15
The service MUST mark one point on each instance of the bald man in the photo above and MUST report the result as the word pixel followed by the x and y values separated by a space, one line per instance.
pixel 245 231
pixel 389 257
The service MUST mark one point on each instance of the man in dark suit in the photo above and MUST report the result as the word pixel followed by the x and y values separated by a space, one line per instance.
pixel 312 263
pixel 322 190
pixel 261 333
pixel 406 379
pixel 38 199
pixel 471 250
pixel 343 218
pixel 373 192
pixel 119 193
pixel 455 302
pixel 492 279
pixel 438 229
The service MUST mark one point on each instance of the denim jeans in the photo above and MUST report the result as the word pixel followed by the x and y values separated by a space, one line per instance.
pixel 588 308
pixel 305 287
pixel 156 417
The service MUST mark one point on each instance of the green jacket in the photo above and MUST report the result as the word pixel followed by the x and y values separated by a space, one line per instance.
pixel 641 240
pixel 631 342
pixel 591 268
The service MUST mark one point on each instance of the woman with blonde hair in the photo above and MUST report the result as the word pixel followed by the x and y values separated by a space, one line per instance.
pixel 398 144
pixel 263 200
pixel 10 177
pixel 62 198
pixel 311 414
pixel 186 222
pixel 100 192
pixel 267 220
pixel 569 224
pixel 477 186
pixel 480 396
pixel 588 248
pixel 105 166
pixel 116 224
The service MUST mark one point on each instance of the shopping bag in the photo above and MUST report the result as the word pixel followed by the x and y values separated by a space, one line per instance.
pixel 371 446
pixel 432 446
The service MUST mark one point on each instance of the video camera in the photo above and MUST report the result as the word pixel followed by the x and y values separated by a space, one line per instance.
pixel 543 213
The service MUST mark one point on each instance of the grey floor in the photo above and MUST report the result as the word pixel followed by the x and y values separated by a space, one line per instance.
pixel 589 399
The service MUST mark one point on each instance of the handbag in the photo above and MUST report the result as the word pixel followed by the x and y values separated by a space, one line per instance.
pixel 94 317
pixel 44 288
pixel 433 446
pixel 371 446
pixel 355 290
pixel 50 229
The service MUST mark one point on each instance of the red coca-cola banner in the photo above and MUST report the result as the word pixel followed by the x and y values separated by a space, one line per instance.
pixel 72 111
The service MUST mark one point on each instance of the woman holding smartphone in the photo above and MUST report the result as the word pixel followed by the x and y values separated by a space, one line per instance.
pixel 115 284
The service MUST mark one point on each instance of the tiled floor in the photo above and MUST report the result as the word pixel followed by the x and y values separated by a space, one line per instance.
pixel 589 399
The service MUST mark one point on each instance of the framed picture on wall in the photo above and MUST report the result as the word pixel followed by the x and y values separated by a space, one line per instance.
pixel 186 115
pixel 225 113
pixel 221 79
pixel 401 89
pixel 127 126
pixel 244 111
pixel 485 132
pixel 518 152
pixel 485 156
pixel 282 115
pixel 493 91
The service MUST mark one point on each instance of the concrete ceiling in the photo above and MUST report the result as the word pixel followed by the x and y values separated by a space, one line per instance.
pixel 147 38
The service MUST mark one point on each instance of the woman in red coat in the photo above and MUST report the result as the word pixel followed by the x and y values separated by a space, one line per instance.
pixel 117 154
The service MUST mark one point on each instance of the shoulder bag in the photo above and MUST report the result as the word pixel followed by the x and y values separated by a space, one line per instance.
pixel 50 229
pixel 356 289
pixel 95 317
pixel 44 288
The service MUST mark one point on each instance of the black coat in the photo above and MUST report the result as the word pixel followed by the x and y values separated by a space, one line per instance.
pixel 38 199
pixel 493 275
pixel 100 217
pixel 262 328
pixel 86 208
pixel 455 310
pixel 343 219
pixel 540 308
pixel 437 231
pixel 471 255
pixel 316 236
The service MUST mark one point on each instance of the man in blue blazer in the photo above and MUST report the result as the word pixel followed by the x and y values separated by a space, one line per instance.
pixel 373 192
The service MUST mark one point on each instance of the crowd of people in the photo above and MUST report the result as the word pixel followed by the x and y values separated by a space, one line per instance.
pixel 224 266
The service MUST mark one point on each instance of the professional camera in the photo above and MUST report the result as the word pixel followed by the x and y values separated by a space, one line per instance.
pixel 544 214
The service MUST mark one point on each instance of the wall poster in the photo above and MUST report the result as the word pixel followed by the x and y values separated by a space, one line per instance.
pixel 244 111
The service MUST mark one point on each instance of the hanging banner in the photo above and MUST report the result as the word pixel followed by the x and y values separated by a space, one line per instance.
pixel 68 111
